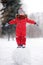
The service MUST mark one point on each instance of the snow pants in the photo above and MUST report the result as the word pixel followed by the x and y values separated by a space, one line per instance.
pixel 21 38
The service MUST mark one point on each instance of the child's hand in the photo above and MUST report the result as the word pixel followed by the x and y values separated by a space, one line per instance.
pixel 6 24
pixel 36 24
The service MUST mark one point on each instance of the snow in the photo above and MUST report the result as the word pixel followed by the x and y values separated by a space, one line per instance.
pixel 31 55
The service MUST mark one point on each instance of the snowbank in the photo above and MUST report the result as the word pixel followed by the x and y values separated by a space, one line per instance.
pixel 31 55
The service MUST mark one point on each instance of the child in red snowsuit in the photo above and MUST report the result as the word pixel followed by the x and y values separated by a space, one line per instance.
pixel 21 21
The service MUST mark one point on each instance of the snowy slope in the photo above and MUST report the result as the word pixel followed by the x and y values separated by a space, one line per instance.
pixel 31 55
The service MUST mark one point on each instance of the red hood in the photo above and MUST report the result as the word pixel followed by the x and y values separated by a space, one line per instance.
pixel 21 16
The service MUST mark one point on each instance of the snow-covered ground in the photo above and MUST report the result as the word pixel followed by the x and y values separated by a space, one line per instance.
pixel 31 55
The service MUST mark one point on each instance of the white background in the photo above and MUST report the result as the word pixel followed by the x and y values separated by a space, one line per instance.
pixel 32 6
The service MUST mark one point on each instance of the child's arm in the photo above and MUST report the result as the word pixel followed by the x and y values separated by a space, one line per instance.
pixel 30 21
pixel 12 21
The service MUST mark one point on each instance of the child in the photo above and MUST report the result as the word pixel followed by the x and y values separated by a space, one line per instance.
pixel 21 21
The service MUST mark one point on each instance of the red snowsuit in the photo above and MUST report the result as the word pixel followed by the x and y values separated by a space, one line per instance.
pixel 21 29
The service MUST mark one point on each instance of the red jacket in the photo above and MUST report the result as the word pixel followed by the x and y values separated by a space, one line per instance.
pixel 21 25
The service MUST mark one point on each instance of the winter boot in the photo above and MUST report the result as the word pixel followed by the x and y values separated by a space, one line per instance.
pixel 19 46
pixel 23 46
